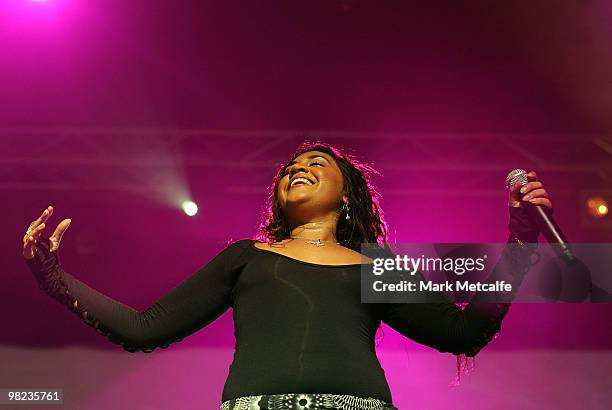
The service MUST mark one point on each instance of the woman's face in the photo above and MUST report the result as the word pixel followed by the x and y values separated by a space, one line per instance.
pixel 311 185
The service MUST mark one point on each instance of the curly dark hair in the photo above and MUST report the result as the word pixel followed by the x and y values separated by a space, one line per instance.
pixel 366 223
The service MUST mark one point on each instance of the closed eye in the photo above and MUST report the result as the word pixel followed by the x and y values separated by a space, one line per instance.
pixel 286 170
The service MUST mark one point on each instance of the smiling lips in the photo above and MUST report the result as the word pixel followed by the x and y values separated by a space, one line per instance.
pixel 300 181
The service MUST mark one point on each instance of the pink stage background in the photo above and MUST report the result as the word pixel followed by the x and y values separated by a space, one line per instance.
pixel 114 112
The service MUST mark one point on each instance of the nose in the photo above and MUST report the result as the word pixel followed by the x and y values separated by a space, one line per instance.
pixel 295 168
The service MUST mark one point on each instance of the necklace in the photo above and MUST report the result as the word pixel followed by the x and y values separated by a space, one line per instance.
pixel 317 242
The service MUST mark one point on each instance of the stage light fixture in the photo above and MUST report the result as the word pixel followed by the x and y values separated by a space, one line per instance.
pixel 597 207
pixel 190 208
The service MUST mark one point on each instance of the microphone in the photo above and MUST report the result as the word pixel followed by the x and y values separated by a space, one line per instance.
pixel 545 222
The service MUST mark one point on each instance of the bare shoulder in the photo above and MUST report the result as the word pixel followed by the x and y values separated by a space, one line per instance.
pixel 270 245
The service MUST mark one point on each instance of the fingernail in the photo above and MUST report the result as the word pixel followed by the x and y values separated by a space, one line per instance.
pixel 524 189
pixel 69 220
pixel 526 198
pixel 532 200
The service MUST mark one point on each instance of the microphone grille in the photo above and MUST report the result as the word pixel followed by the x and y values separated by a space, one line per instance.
pixel 516 175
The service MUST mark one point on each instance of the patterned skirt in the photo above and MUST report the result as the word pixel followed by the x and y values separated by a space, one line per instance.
pixel 297 401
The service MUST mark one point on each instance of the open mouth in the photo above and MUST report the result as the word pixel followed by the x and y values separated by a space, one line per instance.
pixel 300 181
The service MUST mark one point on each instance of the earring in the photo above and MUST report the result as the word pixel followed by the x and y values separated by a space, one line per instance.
pixel 346 208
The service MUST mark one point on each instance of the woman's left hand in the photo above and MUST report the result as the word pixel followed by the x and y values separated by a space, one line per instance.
pixel 532 192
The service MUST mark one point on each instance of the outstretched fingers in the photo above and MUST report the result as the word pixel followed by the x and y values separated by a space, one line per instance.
pixel 42 219
pixel 56 238
pixel 34 231
pixel 31 239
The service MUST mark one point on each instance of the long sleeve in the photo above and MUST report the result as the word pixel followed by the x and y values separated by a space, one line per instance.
pixel 194 303
pixel 441 324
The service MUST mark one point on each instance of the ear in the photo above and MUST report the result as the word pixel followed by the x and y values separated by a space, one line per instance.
pixel 345 199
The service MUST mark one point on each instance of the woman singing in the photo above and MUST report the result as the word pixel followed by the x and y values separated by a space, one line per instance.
pixel 303 338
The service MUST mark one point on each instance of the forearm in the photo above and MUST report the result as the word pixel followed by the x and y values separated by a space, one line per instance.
pixel 441 324
pixel 122 324
pixel 486 311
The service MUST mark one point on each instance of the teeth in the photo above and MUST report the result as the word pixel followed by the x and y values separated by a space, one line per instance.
pixel 304 180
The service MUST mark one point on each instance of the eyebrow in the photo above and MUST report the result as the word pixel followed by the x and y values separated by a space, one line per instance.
pixel 309 157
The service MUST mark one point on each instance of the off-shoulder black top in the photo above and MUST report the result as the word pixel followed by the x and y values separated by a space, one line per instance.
pixel 299 326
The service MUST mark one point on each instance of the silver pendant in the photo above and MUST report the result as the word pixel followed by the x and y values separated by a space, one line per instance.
pixel 318 242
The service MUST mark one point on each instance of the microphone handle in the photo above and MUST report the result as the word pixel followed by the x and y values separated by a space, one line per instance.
pixel 550 230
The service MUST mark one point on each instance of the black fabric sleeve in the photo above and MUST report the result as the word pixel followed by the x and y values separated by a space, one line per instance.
pixel 443 325
pixel 194 303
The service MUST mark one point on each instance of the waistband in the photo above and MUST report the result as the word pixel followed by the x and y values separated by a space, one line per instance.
pixel 303 401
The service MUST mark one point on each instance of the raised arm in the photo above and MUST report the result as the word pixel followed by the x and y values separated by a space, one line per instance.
pixel 441 324
pixel 194 303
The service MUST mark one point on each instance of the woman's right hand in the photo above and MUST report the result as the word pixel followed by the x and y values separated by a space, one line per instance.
pixel 35 230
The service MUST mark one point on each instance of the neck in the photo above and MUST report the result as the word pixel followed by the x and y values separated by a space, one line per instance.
pixel 324 230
